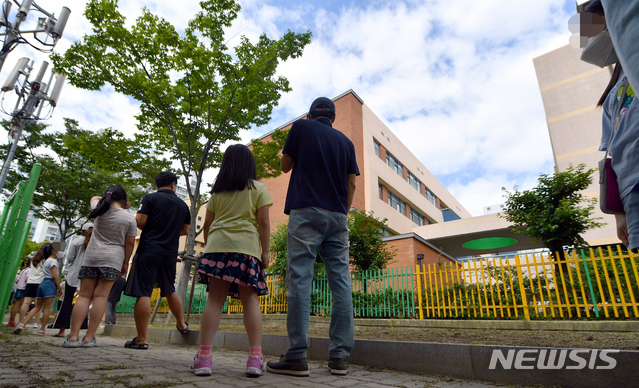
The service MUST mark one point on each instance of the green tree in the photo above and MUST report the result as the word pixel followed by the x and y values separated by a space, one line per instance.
pixel 67 180
pixel 367 251
pixel 194 93
pixel 29 248
pixel 555 212
pixel 279 253
pixel 267 154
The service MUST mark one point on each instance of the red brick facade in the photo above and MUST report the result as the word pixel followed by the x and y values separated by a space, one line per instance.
pixel 409 247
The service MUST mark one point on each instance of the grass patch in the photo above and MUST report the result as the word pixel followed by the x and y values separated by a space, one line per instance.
pixel 112 367
pixel 156 384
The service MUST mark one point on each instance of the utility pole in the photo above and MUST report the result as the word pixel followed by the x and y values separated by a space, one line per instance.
pixel 49 25
pixel 33 95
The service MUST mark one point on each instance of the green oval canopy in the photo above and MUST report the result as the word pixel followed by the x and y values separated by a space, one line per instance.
pixel 490 243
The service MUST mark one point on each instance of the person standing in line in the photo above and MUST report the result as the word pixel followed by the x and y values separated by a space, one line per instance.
pixel 18 297
pixel 320 194
pixel 107 256
pixel 163 217
pixel 110 317
pixel 620 135
pixel 75 258
pixel 50 285
pixel 31 289
pixel 237 233
pixel 622 20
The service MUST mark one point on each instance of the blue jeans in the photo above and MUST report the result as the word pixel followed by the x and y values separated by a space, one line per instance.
pixel 310 230
pixel 631 208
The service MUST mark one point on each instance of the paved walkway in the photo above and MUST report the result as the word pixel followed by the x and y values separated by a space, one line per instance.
pixel 29 360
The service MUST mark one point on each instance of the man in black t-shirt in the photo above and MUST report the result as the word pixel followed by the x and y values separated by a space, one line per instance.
pixel 163 218
pixel 320 194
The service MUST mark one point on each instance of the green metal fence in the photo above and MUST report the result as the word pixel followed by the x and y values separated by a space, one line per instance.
pixel 383 293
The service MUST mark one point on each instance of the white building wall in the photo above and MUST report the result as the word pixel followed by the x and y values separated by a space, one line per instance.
pixel 377 171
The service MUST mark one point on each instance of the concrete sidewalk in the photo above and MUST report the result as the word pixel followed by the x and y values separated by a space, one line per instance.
pixel 29 360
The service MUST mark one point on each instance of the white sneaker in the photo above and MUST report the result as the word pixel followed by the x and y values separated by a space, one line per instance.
pixel 35 325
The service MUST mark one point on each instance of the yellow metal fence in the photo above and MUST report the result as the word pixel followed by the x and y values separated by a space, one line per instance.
pixel 582 284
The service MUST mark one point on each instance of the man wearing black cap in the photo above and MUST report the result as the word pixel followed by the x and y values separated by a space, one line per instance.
pixel 320 193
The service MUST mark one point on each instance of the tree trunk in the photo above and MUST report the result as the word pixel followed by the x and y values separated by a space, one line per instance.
pixel 183 282
pixel 557 251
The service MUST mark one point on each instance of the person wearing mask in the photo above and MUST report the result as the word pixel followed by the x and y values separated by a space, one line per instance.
pixel 620 129
pixel 18 297
pixel 106 257
pixel 75 258
pixel 31 289
pixel 50 285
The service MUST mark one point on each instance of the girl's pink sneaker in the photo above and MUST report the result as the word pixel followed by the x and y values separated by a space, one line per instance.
pixel 255 366
pixel 202 365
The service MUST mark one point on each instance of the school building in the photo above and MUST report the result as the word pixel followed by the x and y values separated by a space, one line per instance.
pixel 393 183
pixel 570 89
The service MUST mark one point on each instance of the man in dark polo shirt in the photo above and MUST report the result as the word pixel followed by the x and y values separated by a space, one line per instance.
pixel 319 197
pixel 163 218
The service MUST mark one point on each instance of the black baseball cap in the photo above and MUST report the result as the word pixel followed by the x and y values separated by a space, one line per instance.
pixel 323 105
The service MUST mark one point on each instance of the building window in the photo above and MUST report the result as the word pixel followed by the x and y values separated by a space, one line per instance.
pixel 449 215
pixel 431 197
pixel 395 164
pixel 385 232
pixel 202 245
pixel 396 203
pixel 378 152
pixel 52 230
pixel 381 196
pixel 199 218
pixel 199 227
pixel 416 217
pixel 417 185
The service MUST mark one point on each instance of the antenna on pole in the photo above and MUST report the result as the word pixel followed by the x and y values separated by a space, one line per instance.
pixel 12 32
pixel 15 73
pixel 61 23
pixel 32 95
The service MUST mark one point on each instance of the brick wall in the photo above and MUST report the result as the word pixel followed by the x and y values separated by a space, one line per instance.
pixel 407 250
pixel 277 188
pixel 348 120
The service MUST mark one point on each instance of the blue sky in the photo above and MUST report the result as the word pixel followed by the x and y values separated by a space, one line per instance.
pixel 453 79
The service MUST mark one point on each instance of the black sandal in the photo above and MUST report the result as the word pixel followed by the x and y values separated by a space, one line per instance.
pixel 185 330
pixel 134 345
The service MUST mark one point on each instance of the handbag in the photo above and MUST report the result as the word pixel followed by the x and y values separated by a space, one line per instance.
pixel 609 196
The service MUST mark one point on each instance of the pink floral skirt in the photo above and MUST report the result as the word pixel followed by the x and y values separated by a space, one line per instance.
pixel 236 268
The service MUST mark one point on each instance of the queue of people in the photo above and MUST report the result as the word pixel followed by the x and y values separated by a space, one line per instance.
pixel 237 236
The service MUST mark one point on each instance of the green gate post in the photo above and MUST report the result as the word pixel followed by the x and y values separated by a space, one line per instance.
pixel 592 291
pixel 5 211
pixel 16 262
pixel 7 235
pixel 22 205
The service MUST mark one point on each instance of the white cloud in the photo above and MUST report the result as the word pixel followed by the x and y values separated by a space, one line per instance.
pixel 455 74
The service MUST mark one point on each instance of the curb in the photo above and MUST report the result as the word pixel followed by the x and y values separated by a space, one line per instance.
pixel 581 368
pixel 323 322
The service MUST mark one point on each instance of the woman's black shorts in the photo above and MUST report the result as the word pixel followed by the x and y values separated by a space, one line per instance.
pixel 31 290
